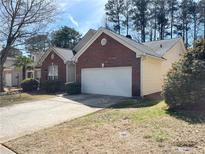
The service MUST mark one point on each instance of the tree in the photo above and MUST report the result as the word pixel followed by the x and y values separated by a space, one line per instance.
pixel 184 86
pixel 65 37
pixel 162 18
pixel 153 17
pixel 20 19
pixel 202 12
pixel 23 62
pixel 37 43
pixel 173 7
pixel 140 16
pixel 114 11
pixel 127 12
pixel 185 20
pixel 195 16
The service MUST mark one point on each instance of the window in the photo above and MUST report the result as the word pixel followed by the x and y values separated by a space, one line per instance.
pixel 53 72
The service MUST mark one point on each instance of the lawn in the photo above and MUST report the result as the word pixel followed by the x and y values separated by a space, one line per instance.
pixel 21 98
pixel 130 127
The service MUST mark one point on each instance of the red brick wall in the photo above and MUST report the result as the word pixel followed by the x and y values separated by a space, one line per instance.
pixel 113 54
pixel 56 61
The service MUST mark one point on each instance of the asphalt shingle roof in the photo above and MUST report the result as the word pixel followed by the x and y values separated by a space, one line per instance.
pixel 66 54
pixel 85 39
pixel 161 47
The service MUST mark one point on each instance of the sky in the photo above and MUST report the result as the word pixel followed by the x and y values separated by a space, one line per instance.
pixel 79 14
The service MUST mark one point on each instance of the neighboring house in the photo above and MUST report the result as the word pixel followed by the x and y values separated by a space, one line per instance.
pixel 56 64
pixel 111 64
pixel 34 71
pixel 12 76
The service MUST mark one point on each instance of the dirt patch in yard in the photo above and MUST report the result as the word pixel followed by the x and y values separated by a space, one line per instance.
pixel 133 129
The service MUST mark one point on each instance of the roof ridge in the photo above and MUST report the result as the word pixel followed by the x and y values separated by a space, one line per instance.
pixel 62 48
pixel 177 38
pixel 148 48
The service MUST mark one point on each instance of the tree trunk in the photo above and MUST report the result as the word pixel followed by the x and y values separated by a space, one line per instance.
pixel 1 78
pixel 155 26
pixel 161 32
pixel 172 20
pixel 195 36
pixel 183 31
pixel 150 36
pixel 143 34
pixel 127 24
pixel 187 41
pixel 204 22
pixel 24 72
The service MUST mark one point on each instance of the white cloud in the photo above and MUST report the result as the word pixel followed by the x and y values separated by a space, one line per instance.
pixel 65 4
pixel 81 20
pixel 74 22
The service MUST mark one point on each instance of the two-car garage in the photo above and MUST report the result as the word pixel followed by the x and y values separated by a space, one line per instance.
pixel 116 81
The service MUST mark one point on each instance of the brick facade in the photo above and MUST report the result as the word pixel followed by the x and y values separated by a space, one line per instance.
pixel 113 54
pixel 56 61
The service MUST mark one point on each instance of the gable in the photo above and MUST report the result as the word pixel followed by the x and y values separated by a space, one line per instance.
pixel 64 54
pixel 52 57
pixel 113 36
pixel 176 50
pixel 112 52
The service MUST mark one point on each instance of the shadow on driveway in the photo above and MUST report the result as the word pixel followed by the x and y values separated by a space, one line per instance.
pixel 96 101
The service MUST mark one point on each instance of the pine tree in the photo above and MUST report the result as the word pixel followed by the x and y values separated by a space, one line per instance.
pixel 195 16
pixel 114 12
pixel 127 12
pixel 185 20
pixel 140 16
pixel 202 12
pixel 162 18
pixel 153 18
pixel 172 9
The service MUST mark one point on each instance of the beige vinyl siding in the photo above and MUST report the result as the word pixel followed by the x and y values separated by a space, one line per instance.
pixel 154 71
pixel 151 76
pixel 171 57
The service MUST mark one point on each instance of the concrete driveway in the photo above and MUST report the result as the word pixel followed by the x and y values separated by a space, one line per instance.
pixel 21 119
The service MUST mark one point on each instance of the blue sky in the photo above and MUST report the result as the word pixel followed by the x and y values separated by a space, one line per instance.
pixel 79 14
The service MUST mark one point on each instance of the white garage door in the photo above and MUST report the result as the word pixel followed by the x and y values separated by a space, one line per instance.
pixel 116 81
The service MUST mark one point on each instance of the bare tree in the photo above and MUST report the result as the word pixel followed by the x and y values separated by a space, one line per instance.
pixel 20 19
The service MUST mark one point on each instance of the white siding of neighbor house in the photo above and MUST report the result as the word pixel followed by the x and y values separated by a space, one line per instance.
pixel 151 75
pixel 154 71
pixel 16 72
pixel 70 72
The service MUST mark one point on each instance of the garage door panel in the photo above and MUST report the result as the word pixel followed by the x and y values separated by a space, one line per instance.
pixel 108 81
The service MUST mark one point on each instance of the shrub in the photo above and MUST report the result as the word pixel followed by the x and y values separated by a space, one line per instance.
pixel 73 88
pixel 52 86
pixel 185 84
pixel 29 85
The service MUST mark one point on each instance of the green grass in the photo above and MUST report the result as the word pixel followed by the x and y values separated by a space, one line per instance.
pixel 137 111
pixel 21 98
pixel 140 111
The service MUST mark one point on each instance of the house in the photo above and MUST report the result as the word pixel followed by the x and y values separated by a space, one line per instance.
pixel 12 76
pixel 56 64
pixel 34 71
pixel 110 64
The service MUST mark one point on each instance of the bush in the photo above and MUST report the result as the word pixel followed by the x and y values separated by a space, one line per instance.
pixel 52 86
pixel 29 85
pixel 184 87
pixel 73 88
